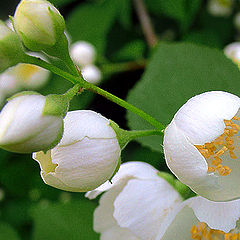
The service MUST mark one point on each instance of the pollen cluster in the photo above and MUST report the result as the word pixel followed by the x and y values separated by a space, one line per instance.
pixel 222 145
pixel 203 232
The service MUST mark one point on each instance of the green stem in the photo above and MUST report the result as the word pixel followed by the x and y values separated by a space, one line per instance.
pixel 84 84
pixel 125 136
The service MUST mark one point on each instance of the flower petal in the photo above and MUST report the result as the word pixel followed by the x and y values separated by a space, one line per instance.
pixel 218 215
pixel 201 118
pixel 85 123
pixel 128 170
pixel 143 204
pixel 178 224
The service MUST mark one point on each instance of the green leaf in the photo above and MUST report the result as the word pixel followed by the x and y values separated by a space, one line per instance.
pixel 208 38
pixel 92 22
pixel 177 72
pixel 181 10
pixel 7 232
pixel 72 220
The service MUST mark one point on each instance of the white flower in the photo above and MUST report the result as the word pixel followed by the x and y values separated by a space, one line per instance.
pixel 38 23
pixel 91 74
pixel 202 145
pixel 86 156
pixel 232 51
pixel 220 7
pixel 198 218
pixel 24 126
pixel 135 205
pixel 82 53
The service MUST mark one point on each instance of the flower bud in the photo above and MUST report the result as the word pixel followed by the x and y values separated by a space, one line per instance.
pixel 220 7
pixel 86 156
pixel 236 21
pixel 31 122
pixel 91 74
pixel 83 53
pixel 11 51
pixel 30 76
pixel 232 51
pixel 39 24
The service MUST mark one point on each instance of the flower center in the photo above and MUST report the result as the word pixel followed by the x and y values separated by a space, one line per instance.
pixel 224 144
pixel 203 232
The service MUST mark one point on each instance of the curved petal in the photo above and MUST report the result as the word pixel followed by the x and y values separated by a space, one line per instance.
pixel 118 233
pixel 143 204
pixel 128 170
pixel 178 224
pixel 85 123
pixel 218 215
pixel 201 118
pixel 104 221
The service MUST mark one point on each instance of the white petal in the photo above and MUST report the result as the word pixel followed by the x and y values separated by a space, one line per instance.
pixel 143 204
pixel 84 165
pixel 128 170
pixel 178 224
pixel 104 222
pixel 118 233
pixel 21 119
pixel 201 118
pixel 103 214
pixel 218 215
pixel 85 123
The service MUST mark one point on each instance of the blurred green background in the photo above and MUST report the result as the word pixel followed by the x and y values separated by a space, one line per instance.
pixel 29 209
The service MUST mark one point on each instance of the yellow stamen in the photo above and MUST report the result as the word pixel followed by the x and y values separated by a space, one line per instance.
pixel 203 232
pixel 221 145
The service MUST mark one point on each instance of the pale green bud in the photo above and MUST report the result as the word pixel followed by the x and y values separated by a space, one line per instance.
pixel 11 50
pixel 39 24
pixel 31 122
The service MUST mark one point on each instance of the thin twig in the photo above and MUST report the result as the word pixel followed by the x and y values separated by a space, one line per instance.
pixel 146 23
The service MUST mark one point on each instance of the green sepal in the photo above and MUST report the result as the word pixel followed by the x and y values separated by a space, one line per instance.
pixel 122 135
pixel 56 105
pixel 24 93
pixel 58 22
pixel 11 51
pixel 168 177
pixel 33 45
pixel 116 169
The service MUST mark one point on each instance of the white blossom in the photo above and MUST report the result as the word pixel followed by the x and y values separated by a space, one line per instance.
pixel 86 156
pixel 135 204
pixel 201 219
pixel 202 145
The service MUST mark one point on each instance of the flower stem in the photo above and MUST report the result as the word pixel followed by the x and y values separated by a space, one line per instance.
pixel 84 84
pixel 146 23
